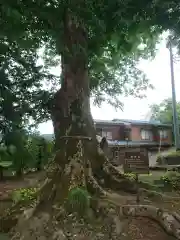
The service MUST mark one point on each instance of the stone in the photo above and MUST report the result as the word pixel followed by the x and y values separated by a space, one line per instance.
pixel 100 235
pixel 59 235
pixel 118 225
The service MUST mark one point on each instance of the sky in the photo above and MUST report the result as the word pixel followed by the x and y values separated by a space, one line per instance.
pixel 158 72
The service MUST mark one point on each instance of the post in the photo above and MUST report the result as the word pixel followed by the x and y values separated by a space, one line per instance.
pixel 175 118
pixel 137 181
pixel 127 142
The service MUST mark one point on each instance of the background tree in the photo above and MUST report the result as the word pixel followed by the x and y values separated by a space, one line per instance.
pixel 163 112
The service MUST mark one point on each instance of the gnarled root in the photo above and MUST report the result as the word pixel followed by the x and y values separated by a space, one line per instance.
pixel 93 187
pixel 10 218
pixel 115 180
pixel 169 222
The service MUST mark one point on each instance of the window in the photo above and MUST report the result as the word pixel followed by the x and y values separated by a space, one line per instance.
pixel 163 134
pixel 116 154
pixel 107 135
pixel 146 135
pixel 99 131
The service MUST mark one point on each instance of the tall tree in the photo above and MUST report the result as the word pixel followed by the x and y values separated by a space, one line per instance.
pixel 99 43
pixel 85 44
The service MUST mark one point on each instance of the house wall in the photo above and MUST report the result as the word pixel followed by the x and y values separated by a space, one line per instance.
pixel 115 129
pixel 117 132
pixel 135 133
pixel 169 139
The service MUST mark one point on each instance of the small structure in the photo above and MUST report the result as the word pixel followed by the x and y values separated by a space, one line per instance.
pixel 136 161
pixel 122 134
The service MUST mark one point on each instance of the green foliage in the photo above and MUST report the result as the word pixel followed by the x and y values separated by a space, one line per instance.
pixel 6 164
pixel 170 154
pixel 78 201
pixel 6 153
pixel 163 111
pixel 39 151
pixel 171 178
pixel 173 153
pixel 159 159
pixel 130 176
pixel 24 194
pixel 4 236
pixel 119 34
pixel 18 138
pixel 25 151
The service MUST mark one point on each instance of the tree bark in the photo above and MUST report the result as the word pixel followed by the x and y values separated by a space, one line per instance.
pixel 1 173
pixel 78 162
pixel 74 129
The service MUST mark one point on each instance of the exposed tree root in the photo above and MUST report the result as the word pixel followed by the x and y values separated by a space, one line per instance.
pixel 10 218
pixel 170 223
pixel 94 187
pixel 33 224
pixel 158 195
pixel 115 180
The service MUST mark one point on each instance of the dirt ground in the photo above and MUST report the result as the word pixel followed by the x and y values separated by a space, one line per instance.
pixel 143 228
pixel 29 180
pixel 136 228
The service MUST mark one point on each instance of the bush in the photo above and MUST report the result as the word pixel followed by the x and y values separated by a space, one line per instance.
pixel 39 151
pixel 6 153
pixel 78 201
pixel 130 176
pixel 172 179
pixel 171 154
pixel 25 152
pixel 159 159
pixel 24 194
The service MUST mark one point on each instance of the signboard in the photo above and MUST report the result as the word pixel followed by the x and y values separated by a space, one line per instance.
pixel 136 161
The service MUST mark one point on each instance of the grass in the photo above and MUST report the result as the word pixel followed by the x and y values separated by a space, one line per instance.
pixel 170 154
pixel 153 176
pixel 173 153
pixel 149 178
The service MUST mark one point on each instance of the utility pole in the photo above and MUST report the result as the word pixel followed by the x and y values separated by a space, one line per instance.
pixel 175 118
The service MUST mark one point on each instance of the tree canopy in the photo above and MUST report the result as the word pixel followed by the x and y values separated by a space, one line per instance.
pixel 163 111
pixel 120 33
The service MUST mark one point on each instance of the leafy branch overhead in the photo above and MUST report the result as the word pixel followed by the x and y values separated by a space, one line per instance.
pixel 119 34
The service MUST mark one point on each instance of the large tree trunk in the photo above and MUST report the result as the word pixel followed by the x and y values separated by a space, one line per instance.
pixel 78 154
pixel 73 125
pixel 1 173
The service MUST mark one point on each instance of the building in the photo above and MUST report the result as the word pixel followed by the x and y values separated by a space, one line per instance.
pixel 122 134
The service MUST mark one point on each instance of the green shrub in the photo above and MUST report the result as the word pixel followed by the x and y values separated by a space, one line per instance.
pixel 171 178
pixel 173 153
pixel 78 201
pixel 130 176
pixel 24 194
pixel 159 159
pixel 39 151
